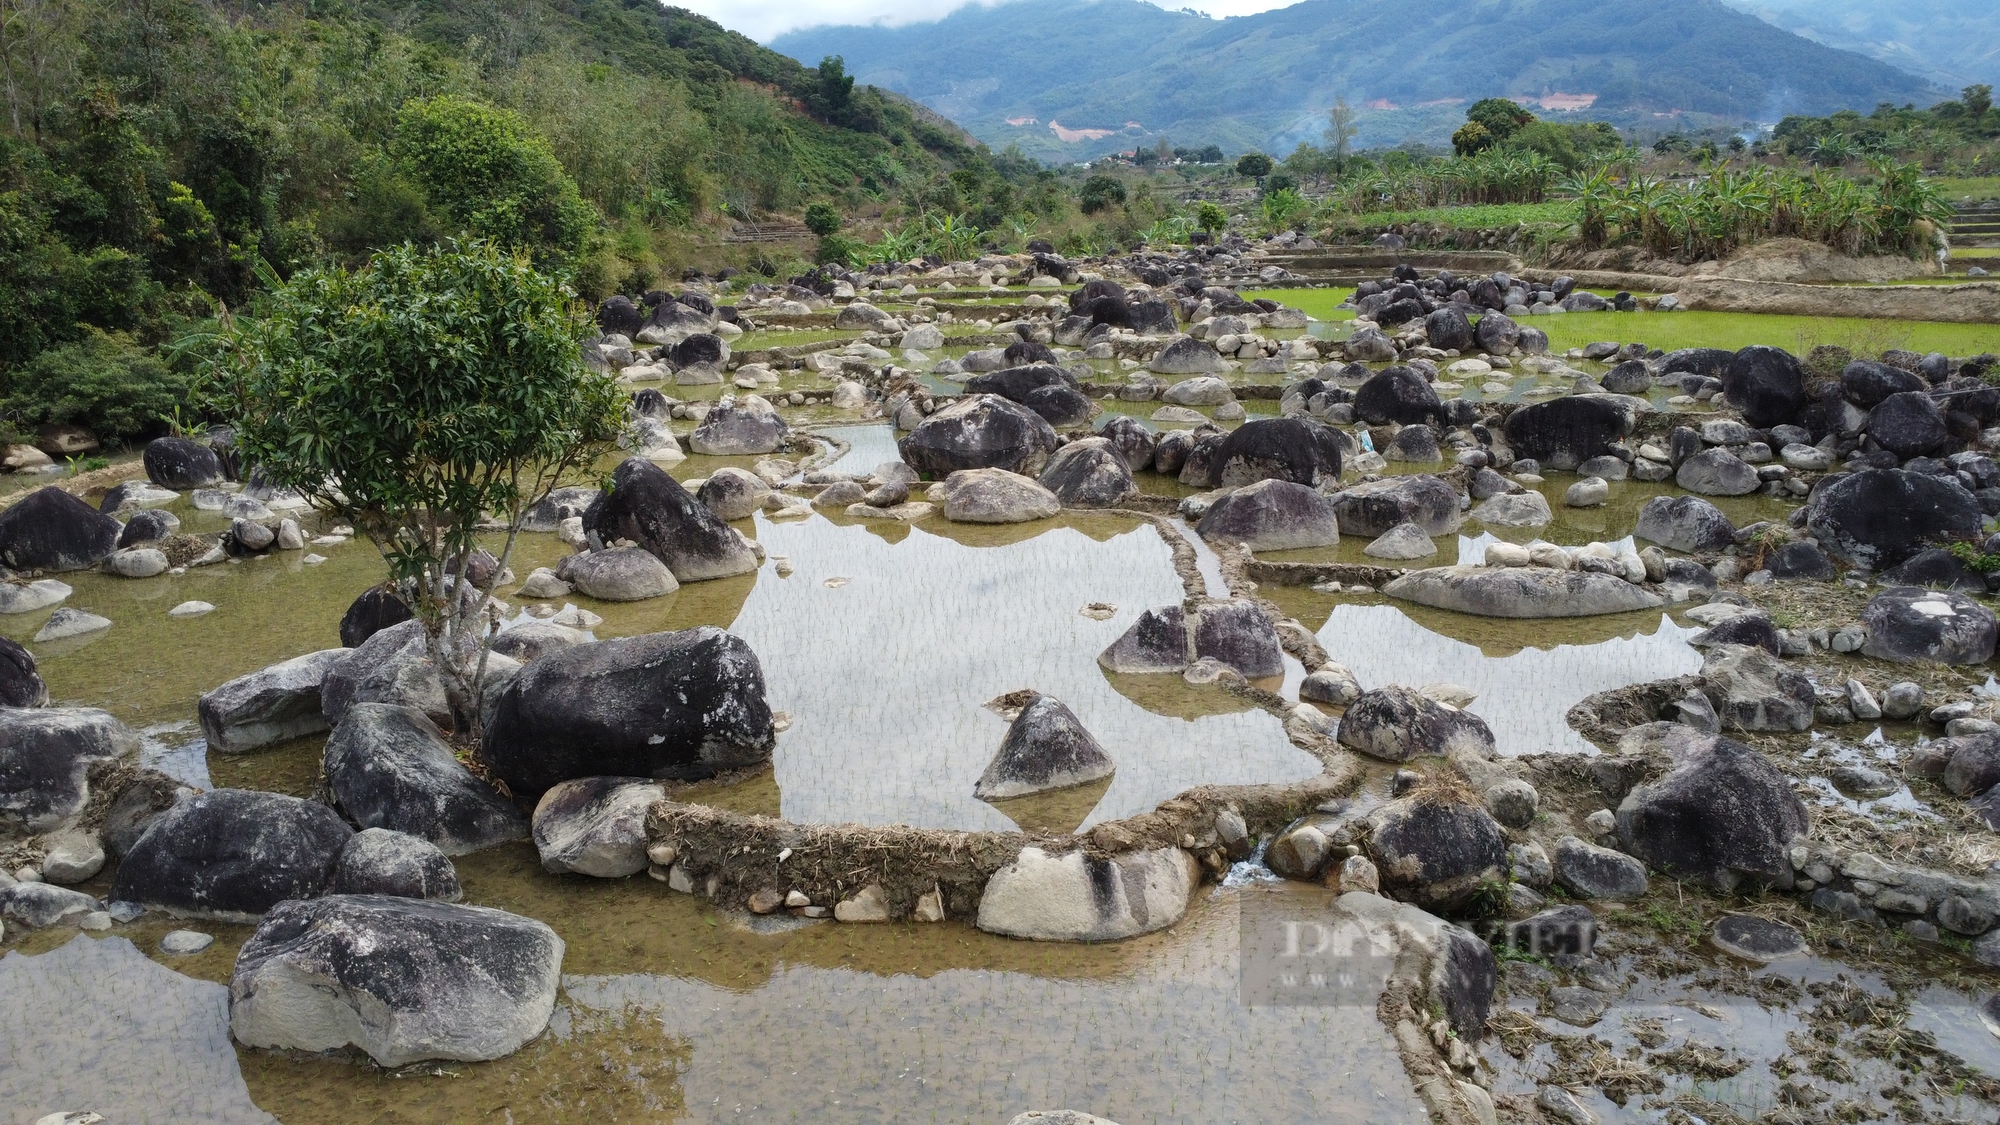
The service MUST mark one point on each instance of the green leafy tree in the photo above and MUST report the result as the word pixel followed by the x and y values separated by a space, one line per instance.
pixel 1208 154
pixel 1100 193
pixel 1254 165
pixel 104 381
pixel 1500 117
pixel 835 88
pixel 485 171
pixel 1978 100
pixel 1280 181
pixel 1471 139
pixel 1211 218
pixel 411 398
pixel 823 218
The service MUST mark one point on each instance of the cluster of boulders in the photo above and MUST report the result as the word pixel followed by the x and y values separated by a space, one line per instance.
pixel 1405 296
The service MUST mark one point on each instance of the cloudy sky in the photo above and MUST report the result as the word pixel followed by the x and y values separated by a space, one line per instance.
pixel 765 19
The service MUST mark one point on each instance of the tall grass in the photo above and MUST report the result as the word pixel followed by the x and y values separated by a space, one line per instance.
pixel 1491 177
pixel 1898 213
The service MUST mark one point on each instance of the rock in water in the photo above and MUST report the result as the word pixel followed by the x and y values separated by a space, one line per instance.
pixel 232 854
pixel 1910 624
pixel 20 684
pixel 595 826
pixel 1399 395
pixel 650 508
pixel 1185 355
pixel 1298 450
pixel 390 767
pixel 1396 724
pixel 1046 748
pixel 1521 592
pixel 1402 542
pixel 268 706
pixel 393 666
pixel 1272 515
pixel 401 979
pixel 1371 508
pixel 1767 385
pixel 996 496
pixel 1879 517
pixel 979 432
pixel 1089 473
pixel 1723 814
pixel 1717 472
pixel 181 463
pixel 376 861
pixel 739 428
pixel 1684 523
pixel 51 530
pixel 40 905
pixel 1564 433
pixel 1756 939
pixel 376 609
pixel 662 705
pixel 1077 897
pixel 621 574
pixel 1588 871
pixel 45 759
pixel 1156 642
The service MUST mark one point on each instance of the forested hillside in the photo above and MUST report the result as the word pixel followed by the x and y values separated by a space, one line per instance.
pixel 153 151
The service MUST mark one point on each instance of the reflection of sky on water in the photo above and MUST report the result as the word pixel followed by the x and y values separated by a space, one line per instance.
pixel 884 677
pixel 1523 697
pixel 869 446
pixel 1168 1043
pixel 97 1025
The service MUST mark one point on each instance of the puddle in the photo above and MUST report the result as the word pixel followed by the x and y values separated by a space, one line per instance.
pixel 96 1025
pixel 1524 690
pixel 672 1011
pixel 885 676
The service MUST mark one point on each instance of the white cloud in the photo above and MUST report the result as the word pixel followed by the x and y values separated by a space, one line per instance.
pixel 764 20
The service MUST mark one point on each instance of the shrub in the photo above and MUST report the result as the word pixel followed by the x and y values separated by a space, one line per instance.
pixel 104 381
pixel 1211 217
pixel 823 218
pixel 1254 165
pixel 1100 193
pixel 487 172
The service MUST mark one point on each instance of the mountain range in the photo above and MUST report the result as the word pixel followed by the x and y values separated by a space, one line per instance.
pixel 1074 79
pixel 1952 42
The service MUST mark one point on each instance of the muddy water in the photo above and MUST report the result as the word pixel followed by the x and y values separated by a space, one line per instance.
pixel 671 1011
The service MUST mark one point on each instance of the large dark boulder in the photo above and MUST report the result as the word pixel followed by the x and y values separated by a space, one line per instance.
pixel 1016 383
pixel 1060 405
pixel 45 759
pixel 393 666
pixel 1089 473
pixel 1708 363
pixel 1448 330
pixel 1371 508
pixel 979 432
pixel 182 463
pixel 1298 450
pixel 740 427
pixel 1497 332
pixel 376 861
pixel 20 684
pixel 400 978
pixel 595 826
pixel 1938 569
pixel 698 350
pixel 1131 439
pixel 1722 815
pixel 1396 724
pixel 1910 625
pixel 650 508
pixel 1767 385
pixel 1908 424
pixel 1437 853
pixel 1237 633
pixel 269 705
pixel 618 314
pixel 1877 518
pixel 1272 515
pixel 376 609
pixel 232 854
pixel 664 705
pixel 1565 432
pixel 390 767
pixel 1866 383
pixel 1396 394
pixel 1684 523
pixel 51 530
pixel 1046 748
